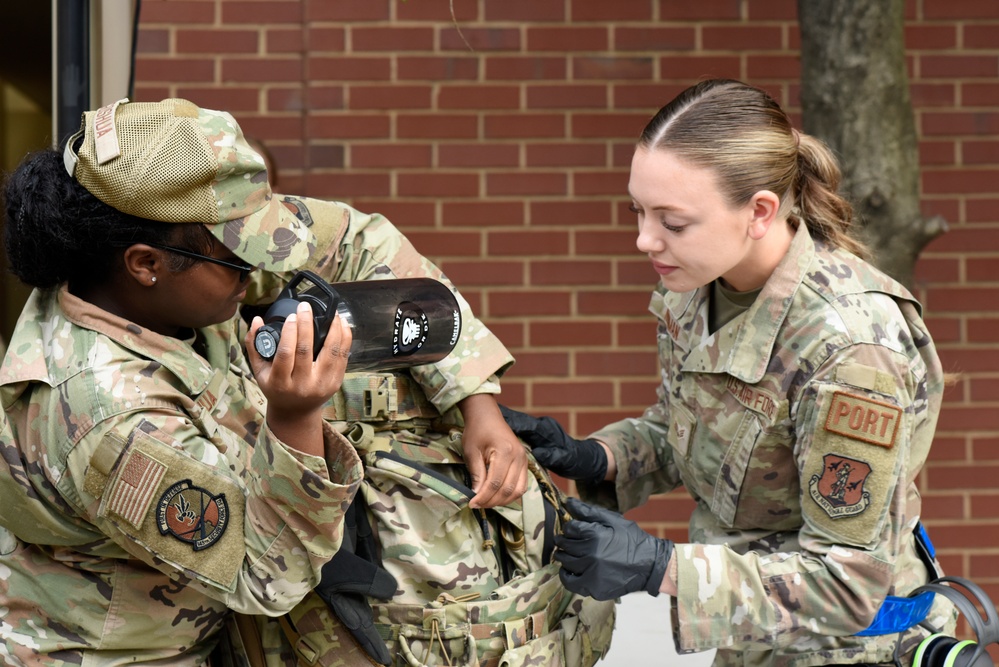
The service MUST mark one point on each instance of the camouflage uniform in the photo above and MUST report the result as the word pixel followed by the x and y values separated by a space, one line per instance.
pixel 145 492
pixel 356 246
pixel 799 429
pixel 144 463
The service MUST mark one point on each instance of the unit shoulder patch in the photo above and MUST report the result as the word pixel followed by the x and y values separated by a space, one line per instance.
pixel 864 419
pixel 192 515
pixel 839 488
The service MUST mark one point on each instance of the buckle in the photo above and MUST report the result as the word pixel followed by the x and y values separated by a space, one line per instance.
pixel 381 402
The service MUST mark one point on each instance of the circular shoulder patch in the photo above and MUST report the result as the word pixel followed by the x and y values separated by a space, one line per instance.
pixel 192 514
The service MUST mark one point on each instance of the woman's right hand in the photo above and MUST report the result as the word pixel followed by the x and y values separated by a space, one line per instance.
pixel 582 460
pixel 296 386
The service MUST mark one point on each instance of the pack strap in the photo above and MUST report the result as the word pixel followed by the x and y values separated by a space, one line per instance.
pixel 516 631
pixel 555 513
pixel 379 397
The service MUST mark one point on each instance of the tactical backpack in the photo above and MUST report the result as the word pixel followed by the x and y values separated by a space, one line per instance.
pixel 428 579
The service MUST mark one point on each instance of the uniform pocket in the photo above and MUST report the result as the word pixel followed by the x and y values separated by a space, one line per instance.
pixel 586 629
pixel 732 471
pixel 758 476
pixel 546 650
pixel 430 647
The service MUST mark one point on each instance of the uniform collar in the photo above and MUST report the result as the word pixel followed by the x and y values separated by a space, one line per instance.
pixel 755 337
pixel 45 324
pixel 744 348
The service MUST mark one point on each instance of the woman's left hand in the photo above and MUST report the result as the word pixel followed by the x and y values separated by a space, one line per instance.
pixel 296 385
pixel 605 556
pixel 496 459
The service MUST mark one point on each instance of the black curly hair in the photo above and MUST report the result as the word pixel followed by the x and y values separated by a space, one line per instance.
pixel 56 231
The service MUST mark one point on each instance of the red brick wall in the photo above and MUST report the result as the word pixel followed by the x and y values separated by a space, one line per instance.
pixel 505 160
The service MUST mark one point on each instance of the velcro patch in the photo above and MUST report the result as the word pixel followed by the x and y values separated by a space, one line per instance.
pixel 863 419
pixel 106 133
pixel 178 507
pixel 867 377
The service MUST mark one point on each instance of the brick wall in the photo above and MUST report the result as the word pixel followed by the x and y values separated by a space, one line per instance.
pixel 502 151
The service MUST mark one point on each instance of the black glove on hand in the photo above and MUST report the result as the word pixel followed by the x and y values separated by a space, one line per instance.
pixel 583 460
pixel 605 556
pixel 346 579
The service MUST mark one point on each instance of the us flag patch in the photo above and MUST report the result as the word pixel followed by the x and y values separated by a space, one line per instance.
pixel 134 489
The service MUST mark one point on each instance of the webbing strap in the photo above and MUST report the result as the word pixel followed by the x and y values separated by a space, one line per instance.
pixel 927 552
pixel 539 623
pixel 379 397
pixel 554 511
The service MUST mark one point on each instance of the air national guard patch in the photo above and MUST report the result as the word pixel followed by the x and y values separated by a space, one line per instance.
pixel 839 489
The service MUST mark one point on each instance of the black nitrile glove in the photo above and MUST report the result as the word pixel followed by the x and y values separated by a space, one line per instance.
pixel 583 460
pixel 605 556
pixel 346 579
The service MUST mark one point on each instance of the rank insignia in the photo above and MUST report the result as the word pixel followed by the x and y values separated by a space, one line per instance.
pixel 839 490
pixel 192 515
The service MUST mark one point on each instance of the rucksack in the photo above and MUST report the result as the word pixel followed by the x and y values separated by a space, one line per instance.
pixel 474 587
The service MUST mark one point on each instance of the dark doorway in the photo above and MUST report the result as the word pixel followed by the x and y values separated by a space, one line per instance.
pixel 25 112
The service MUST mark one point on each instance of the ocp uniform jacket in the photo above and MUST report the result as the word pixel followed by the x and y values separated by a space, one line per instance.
pixel 799 429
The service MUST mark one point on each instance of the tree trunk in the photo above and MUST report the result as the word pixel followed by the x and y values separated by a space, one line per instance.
pixel 855 97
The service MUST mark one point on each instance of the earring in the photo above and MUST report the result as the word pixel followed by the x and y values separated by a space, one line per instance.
pixel 153 279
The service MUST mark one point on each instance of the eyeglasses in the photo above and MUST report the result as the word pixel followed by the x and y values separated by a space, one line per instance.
pixel 243 269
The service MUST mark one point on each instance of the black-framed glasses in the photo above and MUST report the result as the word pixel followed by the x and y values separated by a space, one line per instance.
pixel 243 269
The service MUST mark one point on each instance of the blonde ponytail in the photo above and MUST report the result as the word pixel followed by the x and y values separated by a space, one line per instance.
pixel 828 215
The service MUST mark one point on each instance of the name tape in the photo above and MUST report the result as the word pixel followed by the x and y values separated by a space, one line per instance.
pixel 106 134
